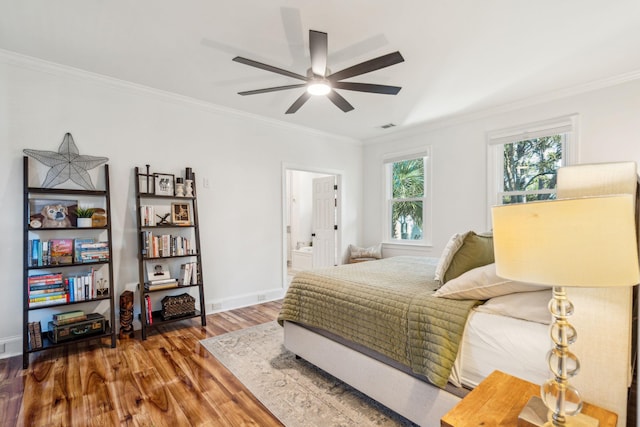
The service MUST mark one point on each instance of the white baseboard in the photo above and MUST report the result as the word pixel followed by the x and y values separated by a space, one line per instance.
pixel 246 300
pixel 10 346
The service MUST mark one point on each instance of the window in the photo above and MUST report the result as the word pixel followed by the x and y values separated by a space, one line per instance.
pixel 523 161
pixel 406 202
pixel 529 169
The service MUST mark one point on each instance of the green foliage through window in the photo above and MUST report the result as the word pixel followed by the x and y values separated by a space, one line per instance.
pixel 407 205
pixel 530 169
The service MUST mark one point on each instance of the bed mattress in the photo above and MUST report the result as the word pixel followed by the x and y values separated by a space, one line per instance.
pixel 494 342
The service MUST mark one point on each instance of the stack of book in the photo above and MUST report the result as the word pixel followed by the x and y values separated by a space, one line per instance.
pixel 188 274
pixel 50 252
pixel 82 286
pixel 88 250
pixel 35 335
pixel 155 285
pixel 165 245
pixel 68 317
pixel 46 289
pixel 147 215
pixel 66 251
pixel 159 276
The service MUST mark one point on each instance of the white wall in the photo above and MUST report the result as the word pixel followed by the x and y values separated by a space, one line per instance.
pixel 609 130
pixel 240 156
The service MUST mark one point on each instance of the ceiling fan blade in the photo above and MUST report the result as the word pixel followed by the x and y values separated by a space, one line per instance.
pixel 266 67
pixel 299 102
pixel 340 102
pixel 271 89
pixel 367 66
pixel 367 87
pixel 318 49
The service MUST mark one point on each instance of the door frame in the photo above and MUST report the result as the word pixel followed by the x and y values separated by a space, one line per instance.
pixel 283 232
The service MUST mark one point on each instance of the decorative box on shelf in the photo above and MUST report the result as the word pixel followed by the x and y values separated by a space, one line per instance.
pixel 94 324
pixel 176 306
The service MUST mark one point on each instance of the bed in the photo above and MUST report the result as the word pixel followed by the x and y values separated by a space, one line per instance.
pixel 370 325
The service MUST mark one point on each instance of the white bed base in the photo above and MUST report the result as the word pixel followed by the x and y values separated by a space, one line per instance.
pixel 416 400
pixel 602 318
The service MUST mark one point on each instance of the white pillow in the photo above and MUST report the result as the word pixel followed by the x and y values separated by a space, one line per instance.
pixel 531 306
pixel 482 283
pixel 455 243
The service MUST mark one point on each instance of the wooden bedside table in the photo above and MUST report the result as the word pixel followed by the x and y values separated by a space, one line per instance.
pixel 498 400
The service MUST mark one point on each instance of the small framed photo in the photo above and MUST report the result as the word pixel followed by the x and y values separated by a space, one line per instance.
pixel 163 184
pixel 50 213
pixel 181 213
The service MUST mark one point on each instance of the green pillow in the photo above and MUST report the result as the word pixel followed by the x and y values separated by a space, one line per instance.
pixel 476 251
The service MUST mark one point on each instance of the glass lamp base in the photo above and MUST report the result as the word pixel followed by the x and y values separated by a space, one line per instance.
pixel 536 414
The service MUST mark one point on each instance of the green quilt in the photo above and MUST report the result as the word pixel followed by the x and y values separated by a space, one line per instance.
pixel 387 306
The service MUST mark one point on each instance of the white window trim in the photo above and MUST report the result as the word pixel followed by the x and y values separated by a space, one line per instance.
pixel 568 124
pixel 427 229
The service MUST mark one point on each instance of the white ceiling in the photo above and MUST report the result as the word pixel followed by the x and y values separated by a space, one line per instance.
pixel 461 56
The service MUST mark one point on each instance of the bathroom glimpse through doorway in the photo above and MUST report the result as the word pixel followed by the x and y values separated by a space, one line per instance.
pixel 311 235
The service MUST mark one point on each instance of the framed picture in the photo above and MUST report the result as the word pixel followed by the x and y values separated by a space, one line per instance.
pixel 158 270
pixel 163 184
pixel 180 213
pixel 52 213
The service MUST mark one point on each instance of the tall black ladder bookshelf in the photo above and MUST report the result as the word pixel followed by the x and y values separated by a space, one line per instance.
pixel 34 231
pixel 150 316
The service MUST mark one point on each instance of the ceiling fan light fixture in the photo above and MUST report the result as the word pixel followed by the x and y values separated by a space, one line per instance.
pixel 319 87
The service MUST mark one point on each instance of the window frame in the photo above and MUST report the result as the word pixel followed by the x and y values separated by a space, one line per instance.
pixel 564 125
pixel 387 165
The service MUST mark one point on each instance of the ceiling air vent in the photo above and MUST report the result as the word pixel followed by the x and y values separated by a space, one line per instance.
pixel 387 126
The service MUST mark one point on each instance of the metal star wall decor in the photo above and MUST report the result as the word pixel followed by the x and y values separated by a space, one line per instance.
pixel 67 164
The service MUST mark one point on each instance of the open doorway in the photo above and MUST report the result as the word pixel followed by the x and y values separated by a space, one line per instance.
pixel 311 235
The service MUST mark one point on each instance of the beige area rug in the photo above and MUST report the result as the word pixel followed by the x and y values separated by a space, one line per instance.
pixel 296 392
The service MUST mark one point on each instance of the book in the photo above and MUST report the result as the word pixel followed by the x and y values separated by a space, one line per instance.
pixel 58 297
pixel 44 279
pixel 60 290
pixel 147 303
pixel 70 320
pixel 77 248
pixel 168 285
pixel 194 273
pixel 61 251
pixel 35 335
pixel 45 253
pixel 68 314
pixel 36 255
pixel 88 250
pixel 32 338
pixel 147 216
pixel 45 301
pixel 185 274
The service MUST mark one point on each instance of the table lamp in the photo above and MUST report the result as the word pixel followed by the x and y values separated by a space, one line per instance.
pixel 582 242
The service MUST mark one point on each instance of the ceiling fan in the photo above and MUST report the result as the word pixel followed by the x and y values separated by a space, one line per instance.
pixel 320 81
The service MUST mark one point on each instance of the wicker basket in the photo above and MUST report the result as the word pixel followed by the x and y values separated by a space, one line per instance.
pixel 176 306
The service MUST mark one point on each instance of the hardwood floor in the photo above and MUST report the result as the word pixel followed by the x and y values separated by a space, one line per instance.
pixel 167 380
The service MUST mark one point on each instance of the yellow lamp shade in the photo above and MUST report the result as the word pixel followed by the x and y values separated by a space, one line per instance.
pixel 587 242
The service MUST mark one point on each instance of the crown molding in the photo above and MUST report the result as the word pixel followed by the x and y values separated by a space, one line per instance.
pixel 456 119
pixel 40 65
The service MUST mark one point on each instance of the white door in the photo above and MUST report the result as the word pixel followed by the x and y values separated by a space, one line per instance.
pixel 324 222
